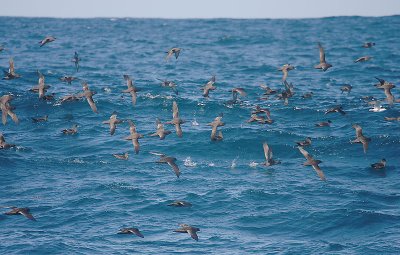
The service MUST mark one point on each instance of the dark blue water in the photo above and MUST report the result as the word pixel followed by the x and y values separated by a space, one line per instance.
pixel 81 195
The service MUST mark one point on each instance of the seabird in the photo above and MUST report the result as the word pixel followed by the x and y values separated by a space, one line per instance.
pixel 392 118
pixel 169 84
pixel 70 98
pixel 113 121
pixel 22 211
pixel 76 60
pixel 285 70
pixel 368 44
pixel 131 88
pixel 324 124
pixel 47 39
pixel 134 231
pixel 161 132
pixel 3 144
pixel 306 142
pixel 269 161
pixel 362 59
pixel 360 138
pixel 192 231
pixel 180 203
pixel 70 131
pixel 89 96
pixel 215 124
pixel 236 92
pixel 209 86
pixel 338 109
pixel 172 51
pixel 376 106
pixel 124 156
pixel 379 165
pixel 7 109
pixel 312 162
pixel 41 86
pixel 176 120
pixel 40 119
pixel 10 74
pixel 268 90
pixel 68 79
pixel 322 63
pixel 307 95
pixel 346 88
pixel 134 136
pixel 164 159
pixel 260 119
pixel 384 84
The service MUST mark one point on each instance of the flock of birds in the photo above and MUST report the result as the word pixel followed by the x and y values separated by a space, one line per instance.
pixel 259 115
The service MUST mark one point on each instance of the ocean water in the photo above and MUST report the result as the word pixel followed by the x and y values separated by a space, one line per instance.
pixel 81 195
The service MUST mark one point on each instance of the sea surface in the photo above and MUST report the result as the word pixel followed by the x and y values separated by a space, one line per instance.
pixel 81 195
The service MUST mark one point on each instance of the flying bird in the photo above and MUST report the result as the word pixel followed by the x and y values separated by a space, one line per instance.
pixel 71 131
pixel 176 120
pixel 11 74
pixel 363 59
pixel 89 96
pixel 338 109
pixel 124 156
pixel 134 231
pixel 131 88
pixel 164 159
pixel 180 203
pixel 68 79
pixel 215 124
pixel 46 40
pixel 161 132
pixel 20 211
pixel 134 136
pixel 209 86
pixel 306 142
pixel 360 138
pixel 173 51
pixel 285 70
pixel 40 119
pixel 322 63
pixel 324 124
pixel 192 231
pixel 76 60
pixel 269 161
pixel 112 122
pixel 346 88
pixel 379 165
pixel 312 162
pixel 7 109
pixel 169 84
pixel 3 144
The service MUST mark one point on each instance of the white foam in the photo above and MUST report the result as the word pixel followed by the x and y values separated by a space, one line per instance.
pixel 253 164
pixel 189 163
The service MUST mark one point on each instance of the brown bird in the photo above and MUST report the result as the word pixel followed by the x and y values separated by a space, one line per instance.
pixel 346 88
pixel 307 95
pixel 362 59
pixel 131 89
pixel 209 86
pixel 134 231
pixel 389 96
pixel 392 118
pixel 215 124
pixel 338 109
pixel 269 161
pixel 70 98
pixel 89 96
pixel 113 121
pixel 68 79
pixel 124 156
pixel 46 40
pixel 180 203
pixel 41 84
pixel 22 211
pixel 236 92
pixel 322 63
pixel 324 124
pixel 360 138
pixel 285 70
pixel 70 131
pixel 192 231
pixel 169 84
pixel 134 136
pixel 368 44
pixel 306 142
pixel 384 84
pixel 161 132
pixel 379 165
pixel 7 109
pixel 40 119
pixel 164 159
pixel 173 51
pixel 3 144
pixel 268 90
pixel 11 74
pixel 176 120
pixel 312 162
pixel 260 119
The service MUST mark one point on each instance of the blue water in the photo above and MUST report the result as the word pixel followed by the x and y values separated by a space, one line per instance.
pixel 81 195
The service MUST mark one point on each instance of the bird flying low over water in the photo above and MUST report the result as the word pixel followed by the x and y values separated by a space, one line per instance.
pixel 363 59
pixel 322 62
pixel 338 109
pixel 209 86
pixel 3 144
pixel 346 88
pixel 269 161
pixel 215 124
pixel 306 142
pixel 324 124
pixel 285 70
pixel 267 90
pixel 161 132
pixel 7 109
pixel 173 51
pixel 176 120
pixel 131 88
pixel 134 231
pixel 379 165
pixel 312 162
pixel 236 92
pixel 11 74
pixel 68 79
pixel 169 84
pixel 307 95
pixel 89 96
pixel 113 121
pixel 180 203
pixel 360 138
pixel 71 131
pixel 134 136
pixel 392 118
pixel 20 211
pixel 76 60
pixel 46 40
pixel 192 231
pixel 164 159
pixel 124 156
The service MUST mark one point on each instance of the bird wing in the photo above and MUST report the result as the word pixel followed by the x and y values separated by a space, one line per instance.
pixel 92 104
pixel 136 232
pixel 157 153
pixel 319 172
pixel 134 96
pixel 112 128
pixel 4 116
pixel 365 144
pixel 178 130
pixel 267 152
pixel 11 69
pixel 13 116
pixel 321 53
pixel 169 54
pixel 27 214
pixel 389 96
pixel 193 234
pixel 358 131
pixel 175 110
pixel 174 167
pixel 305 153
pixel 136 145
pixel 177 52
